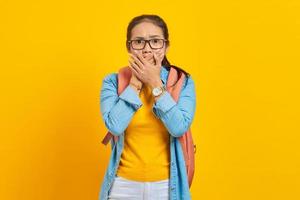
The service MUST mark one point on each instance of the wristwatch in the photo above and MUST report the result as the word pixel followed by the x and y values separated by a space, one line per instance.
pixel 158 90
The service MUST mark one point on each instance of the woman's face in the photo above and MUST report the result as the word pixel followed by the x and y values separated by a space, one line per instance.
pixel 147 31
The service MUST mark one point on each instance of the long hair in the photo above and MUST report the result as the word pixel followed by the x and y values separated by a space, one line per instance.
pixel 158 21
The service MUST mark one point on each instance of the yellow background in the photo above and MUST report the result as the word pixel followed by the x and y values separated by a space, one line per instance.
pixel 243 56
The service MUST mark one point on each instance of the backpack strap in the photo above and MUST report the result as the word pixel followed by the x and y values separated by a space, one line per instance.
pixel 175 89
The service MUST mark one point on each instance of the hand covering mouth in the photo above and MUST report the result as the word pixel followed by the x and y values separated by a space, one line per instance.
pixel 149 57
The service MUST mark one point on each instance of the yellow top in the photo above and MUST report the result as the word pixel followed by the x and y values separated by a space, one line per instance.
pixel 145 156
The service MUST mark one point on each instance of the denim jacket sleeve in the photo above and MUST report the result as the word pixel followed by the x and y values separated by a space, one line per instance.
pixel 116 110
pixel 177 116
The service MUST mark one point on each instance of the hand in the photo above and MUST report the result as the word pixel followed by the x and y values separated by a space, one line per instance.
pixel 145 71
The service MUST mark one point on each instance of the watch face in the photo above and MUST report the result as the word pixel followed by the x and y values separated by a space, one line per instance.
pixel 156 91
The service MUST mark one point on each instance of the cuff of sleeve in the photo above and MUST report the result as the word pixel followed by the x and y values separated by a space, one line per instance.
pixel 165 102
pixel 130 96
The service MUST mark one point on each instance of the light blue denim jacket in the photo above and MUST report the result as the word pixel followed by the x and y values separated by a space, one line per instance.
pixel 117 112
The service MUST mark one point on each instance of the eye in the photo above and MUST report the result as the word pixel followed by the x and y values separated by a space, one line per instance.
pixel 139 41
pixel 155 40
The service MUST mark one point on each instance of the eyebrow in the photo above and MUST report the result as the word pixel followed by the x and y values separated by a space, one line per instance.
pixel 151 36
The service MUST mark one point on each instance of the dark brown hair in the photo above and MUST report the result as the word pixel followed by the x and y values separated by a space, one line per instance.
pixel 158 21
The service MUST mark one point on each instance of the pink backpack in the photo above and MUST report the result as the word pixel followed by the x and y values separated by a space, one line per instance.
pixel 186 140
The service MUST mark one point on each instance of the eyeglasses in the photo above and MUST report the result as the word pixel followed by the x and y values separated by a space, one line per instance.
pixel 140 44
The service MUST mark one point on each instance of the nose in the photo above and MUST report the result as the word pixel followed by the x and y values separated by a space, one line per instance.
pixel 147 46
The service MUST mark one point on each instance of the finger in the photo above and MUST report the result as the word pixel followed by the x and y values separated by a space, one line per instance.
pixel 161 57
pixel 133 70
pixel 158 59
pixel 135 57
pixel 135 66
pixel 141 58
pixel 155 59
pixel 137 61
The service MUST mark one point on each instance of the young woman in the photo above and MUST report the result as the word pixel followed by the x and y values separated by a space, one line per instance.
pixel 147 160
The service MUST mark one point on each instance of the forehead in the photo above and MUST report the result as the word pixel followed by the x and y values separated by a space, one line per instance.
pixel 145 30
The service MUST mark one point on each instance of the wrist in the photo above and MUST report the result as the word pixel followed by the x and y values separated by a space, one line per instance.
pixel 157 83
pixel 136 85
pixel 157 97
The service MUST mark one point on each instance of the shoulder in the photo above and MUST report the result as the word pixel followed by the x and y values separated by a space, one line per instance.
pixel 110 79
pixel 113 77
pixel 188 88
pixel 189 81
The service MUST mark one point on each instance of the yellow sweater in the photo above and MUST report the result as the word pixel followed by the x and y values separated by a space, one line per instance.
pixel 145 156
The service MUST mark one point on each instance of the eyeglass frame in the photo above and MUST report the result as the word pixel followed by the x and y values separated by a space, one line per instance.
pixel 148 41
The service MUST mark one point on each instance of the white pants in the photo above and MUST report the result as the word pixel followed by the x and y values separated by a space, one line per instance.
pixel 124 189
